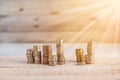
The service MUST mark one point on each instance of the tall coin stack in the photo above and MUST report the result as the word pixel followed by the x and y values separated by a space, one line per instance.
pixel 47 51
pixel 80 56
pixel 60 51
pixel 30 57
pixel 90 54
pixel 36 54
pixel 52 60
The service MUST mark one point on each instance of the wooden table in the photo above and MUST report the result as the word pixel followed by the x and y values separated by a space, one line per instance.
pixel 13 64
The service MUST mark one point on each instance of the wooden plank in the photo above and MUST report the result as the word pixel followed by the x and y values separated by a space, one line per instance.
pixel 27 23
pixel 30 22
pixel 42 16
pixel 52 36
pixel 13 7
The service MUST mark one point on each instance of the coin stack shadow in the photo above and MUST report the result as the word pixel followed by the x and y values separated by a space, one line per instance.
pixel 60 51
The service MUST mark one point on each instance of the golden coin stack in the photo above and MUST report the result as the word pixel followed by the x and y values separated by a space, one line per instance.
pixel 47 51
pixel 37 54
pixel 52 60
pixel 80 56
pixel 29 54
pixel 90 54
pixel 60 51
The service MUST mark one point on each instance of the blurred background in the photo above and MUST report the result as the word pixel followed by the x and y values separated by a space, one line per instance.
pixel 34 21
pixel 24 23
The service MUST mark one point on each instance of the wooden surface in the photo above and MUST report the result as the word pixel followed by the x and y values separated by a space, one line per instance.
pixel 13 64
pixel 45 21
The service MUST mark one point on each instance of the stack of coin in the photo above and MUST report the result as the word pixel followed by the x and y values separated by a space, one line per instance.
pixel 90 54
pixel 59 46
pixel 90 48
pixel 36 54
pixel 52 60
pixel 37 57
pixel 61 59
pixel 35 47
pixel 80 56
pixel 47 51
pixel 90 59
pixel 60 51
pixel 29 54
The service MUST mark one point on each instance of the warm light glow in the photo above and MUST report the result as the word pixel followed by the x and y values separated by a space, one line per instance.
pixel 116 4
pixel 117 1
pixel 107 16
pixel 97 20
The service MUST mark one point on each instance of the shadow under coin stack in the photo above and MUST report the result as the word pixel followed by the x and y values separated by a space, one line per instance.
pixel 47 52
pixel 90 54
pixel 60 51
pixel 80 57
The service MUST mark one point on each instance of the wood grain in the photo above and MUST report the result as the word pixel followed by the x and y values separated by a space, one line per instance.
pixel 72 20
pixel 52 36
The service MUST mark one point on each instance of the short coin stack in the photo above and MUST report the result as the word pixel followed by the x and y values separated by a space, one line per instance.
pixel 47 52
pixel 61 59
pixel 60 51
pixel 80 56
pixel 52 60
pixel 90 54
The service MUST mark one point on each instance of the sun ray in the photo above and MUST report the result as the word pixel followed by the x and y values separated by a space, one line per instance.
pixel 108 29
pixel 110 25
pixel 96 29
pixel 88 35
pixel 89 25
pixel 67 17
pixel 117 27
pixel 116 31
pixel 77 24
pixel 91 7
pixel 97 21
